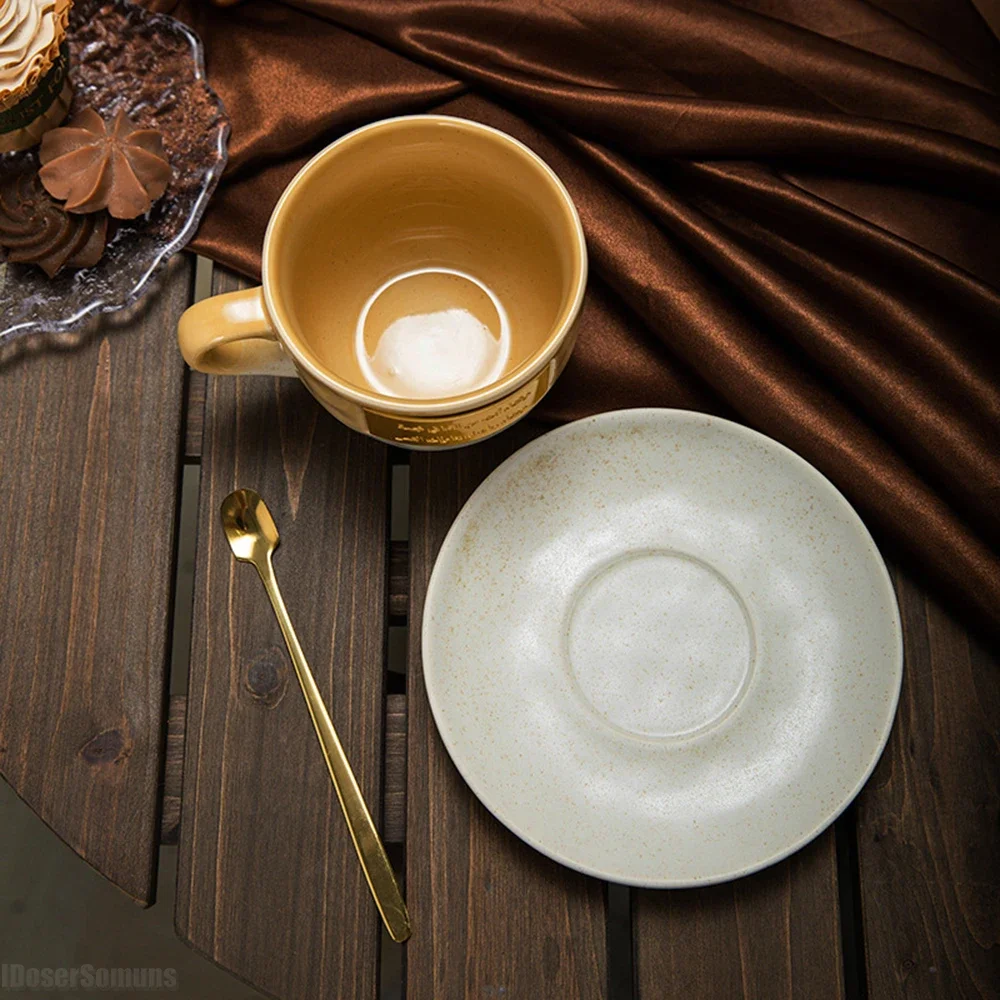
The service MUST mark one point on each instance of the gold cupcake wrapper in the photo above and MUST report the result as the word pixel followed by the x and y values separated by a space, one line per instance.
pixel 23 125
pixel 30 135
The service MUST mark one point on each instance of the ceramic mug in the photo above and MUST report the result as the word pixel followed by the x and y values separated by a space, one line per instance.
pixel 421 275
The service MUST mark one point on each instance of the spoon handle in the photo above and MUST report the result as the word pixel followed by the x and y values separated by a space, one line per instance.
pixel 371 852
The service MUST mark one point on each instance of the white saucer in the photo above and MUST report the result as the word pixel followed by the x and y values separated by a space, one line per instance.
pixel 661 648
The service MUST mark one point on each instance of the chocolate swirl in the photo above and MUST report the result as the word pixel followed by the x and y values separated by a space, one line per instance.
pixel 93 165
pixel 35 229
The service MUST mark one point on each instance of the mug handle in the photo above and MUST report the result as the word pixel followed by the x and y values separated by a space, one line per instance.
pixel 231 334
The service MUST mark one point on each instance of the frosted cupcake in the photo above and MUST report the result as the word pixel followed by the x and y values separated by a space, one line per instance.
pixel 35 91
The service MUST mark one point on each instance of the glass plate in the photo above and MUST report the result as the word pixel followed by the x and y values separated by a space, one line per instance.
pixel 121 55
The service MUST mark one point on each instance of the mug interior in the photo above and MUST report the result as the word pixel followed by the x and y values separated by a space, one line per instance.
pixel 424 258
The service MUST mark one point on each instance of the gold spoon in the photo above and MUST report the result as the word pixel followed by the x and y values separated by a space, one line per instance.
pixel 253 538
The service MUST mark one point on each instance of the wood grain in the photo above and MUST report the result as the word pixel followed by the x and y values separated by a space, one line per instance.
pixel 89 450
pixel 399 579
pixel 204 272
pixel 194 425
pixel 173 769
pixel 394 794
pixel 492 918
pixel 928 832
pixel 269 885
pixel 769 936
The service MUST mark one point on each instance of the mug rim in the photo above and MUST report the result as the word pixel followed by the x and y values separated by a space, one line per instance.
pixel 454 404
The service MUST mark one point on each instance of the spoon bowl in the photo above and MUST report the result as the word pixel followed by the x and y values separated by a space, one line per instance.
pixel 249 527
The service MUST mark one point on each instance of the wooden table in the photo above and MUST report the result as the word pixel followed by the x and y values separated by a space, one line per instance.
pixel 899 899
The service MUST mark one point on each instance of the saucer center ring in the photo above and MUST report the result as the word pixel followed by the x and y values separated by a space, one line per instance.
pixel 660 645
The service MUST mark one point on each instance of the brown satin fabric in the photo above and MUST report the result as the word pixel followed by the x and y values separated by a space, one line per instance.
pixel 791 208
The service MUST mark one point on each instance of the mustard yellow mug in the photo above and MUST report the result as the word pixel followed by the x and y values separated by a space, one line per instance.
pixel 421 275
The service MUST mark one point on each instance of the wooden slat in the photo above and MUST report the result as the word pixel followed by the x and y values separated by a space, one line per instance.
pixel 928 837
pixel 769 936
pixel 195 422
pixel 492 918
pixel 399 579
pixel 394 794
pixel 89 446
pixel 173 765
pixel 269 886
